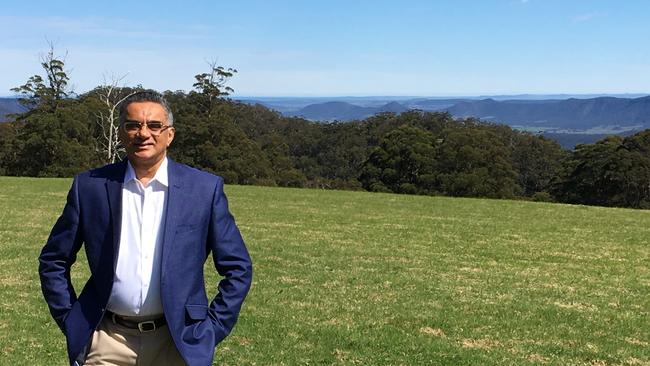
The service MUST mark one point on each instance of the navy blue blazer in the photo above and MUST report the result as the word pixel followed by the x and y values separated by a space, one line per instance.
pixel 197 223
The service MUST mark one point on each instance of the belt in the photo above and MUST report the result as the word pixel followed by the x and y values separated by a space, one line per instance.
pixel 143 327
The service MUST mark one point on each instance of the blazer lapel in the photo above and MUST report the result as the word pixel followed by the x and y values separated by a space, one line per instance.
pixel 173 210
pixel 114 182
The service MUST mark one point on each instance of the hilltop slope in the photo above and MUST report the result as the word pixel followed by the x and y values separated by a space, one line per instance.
pixel 383 279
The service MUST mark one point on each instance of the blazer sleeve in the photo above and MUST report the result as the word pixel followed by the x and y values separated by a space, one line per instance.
pixel 232 261
pixel 57 257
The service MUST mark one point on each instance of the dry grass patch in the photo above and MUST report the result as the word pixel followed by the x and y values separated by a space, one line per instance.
pixel 576 306
pixel 484 343
pixel 537 358
pixel 437 332
pixel 637 362
pixel 637 342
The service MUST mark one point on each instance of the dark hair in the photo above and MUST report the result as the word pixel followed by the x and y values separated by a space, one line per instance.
pixel 146 96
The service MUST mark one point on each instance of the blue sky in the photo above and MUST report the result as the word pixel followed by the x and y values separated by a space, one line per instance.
pixel 339 48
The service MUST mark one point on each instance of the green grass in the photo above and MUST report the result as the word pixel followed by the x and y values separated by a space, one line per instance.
pixel 354 278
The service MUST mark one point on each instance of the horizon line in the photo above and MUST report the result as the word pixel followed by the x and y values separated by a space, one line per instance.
pixel 437 96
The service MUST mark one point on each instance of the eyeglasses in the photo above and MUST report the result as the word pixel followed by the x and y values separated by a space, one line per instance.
pixel 154 127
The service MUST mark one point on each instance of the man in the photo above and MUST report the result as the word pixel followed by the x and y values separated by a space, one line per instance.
pixel 147 225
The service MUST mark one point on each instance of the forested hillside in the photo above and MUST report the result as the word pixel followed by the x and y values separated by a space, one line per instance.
pixel 414 152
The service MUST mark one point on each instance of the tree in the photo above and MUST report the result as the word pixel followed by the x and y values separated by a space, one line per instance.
pixel 635 170
pixel 584 179
pixel 473 161
pixel 46 92
pixel 217 145
pixel 57 143
pixel 110 95
pixel 8 148
pixel 53 138
pixel 211 86
pixel 612 172
pixel 277 152
pixel 404 162
pixel 537 161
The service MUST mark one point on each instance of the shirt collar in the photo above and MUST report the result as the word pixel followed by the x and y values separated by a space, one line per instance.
pixel 161 175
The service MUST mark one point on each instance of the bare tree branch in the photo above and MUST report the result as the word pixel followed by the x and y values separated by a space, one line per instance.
pixel 111 94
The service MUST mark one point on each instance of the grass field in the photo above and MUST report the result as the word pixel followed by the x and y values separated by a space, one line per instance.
pixel 354 278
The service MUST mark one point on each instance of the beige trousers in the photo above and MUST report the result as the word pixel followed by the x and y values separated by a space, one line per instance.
pixel 115 345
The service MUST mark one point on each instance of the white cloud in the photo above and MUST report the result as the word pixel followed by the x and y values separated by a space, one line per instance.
pixel 581 18
pixel 98 26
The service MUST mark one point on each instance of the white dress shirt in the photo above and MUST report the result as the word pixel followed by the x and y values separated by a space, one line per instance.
pixel 136 288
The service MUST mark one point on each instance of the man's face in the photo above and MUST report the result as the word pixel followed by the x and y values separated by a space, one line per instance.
pixel 142 146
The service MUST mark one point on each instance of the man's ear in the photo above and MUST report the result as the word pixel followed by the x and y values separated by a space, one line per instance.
pixel 171 131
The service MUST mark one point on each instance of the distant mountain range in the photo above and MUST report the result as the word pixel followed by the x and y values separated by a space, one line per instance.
pixel 10 106
pixel 599 115
pixel 343 111
pixel 604 113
